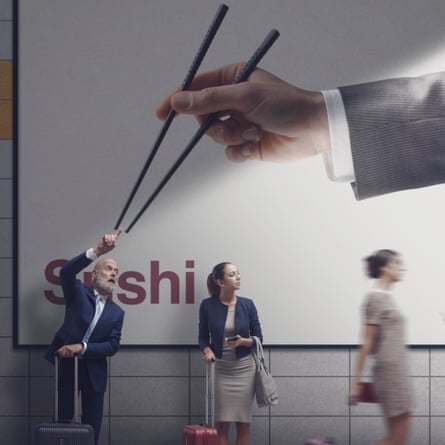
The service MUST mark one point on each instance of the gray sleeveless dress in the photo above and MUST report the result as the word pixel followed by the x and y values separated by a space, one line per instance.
pixel 390 373
pixel 234 381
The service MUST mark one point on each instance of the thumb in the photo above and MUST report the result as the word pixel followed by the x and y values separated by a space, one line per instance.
pixel 182 102
pixel 209 100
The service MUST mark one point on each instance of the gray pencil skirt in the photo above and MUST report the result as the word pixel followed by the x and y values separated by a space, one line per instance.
pixel 234 389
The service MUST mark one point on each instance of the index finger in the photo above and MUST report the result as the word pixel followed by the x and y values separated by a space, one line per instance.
pixel 219 77
pixel 215 78
pixel 118 233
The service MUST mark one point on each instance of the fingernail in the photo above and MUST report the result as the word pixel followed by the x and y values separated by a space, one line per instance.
pixel 246 151
pixel 251 134
pixel 218 135
pixel 183 100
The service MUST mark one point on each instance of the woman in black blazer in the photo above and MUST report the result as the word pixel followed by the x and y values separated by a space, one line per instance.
pixel 227 323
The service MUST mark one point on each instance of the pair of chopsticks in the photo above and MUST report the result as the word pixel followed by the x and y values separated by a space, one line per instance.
pixel 242 76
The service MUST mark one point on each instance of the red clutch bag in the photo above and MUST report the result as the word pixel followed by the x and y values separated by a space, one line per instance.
pixel 367 393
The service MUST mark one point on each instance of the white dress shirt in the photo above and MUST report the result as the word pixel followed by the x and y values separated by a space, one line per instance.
pixel 93 257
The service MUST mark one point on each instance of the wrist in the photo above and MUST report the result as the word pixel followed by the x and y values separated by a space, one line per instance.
pixel 248 342
pixel 322 138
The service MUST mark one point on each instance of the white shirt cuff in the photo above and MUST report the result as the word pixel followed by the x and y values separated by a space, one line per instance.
pixel 338 163
pixel 91 255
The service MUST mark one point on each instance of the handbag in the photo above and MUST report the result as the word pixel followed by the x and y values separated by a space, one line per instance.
pixel 367 393
pixel 265 387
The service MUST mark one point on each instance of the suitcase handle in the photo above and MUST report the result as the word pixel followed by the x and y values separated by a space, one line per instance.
pixel 76 389
pixel 210 395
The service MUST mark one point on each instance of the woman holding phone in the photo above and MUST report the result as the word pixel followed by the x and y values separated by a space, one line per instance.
pixel 227 325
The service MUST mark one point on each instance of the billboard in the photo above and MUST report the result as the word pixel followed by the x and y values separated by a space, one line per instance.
pixel 90 75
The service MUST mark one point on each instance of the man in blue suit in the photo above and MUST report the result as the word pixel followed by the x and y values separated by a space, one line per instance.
pixel 91 329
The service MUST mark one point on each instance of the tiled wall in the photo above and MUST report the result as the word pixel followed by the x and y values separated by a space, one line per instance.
pixel 153 393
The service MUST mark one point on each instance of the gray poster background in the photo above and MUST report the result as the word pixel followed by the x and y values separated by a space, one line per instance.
pixel 91 74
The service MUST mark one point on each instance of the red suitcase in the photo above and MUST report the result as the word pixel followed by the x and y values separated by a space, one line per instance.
pixel 55 433
pixel 203 434
pixel 199 435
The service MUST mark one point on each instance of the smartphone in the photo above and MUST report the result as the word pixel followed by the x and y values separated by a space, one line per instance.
pixel 234 338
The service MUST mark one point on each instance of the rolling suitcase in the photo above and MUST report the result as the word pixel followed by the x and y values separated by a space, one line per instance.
pixel 56 433
pixel 205 434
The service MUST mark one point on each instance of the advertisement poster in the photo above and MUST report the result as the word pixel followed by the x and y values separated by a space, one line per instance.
pixel 90 76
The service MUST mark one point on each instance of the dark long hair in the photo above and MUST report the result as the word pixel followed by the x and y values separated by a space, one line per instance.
pixel 216 274
pixel 378 260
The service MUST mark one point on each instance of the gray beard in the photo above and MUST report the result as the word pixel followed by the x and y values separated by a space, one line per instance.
pixel 103 286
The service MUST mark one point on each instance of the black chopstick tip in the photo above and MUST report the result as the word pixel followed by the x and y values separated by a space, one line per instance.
pixel 127 230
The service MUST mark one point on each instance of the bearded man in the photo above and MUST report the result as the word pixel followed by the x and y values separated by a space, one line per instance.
pixel 91 330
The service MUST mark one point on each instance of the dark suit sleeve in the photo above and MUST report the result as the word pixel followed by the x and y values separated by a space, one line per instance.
pixel 68 274
pixel 254 322
pixel 110 345
pixel 397 132
pixel 203 328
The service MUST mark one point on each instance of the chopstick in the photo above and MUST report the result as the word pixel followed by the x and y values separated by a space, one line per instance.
pixel 211 32
pixel 242 76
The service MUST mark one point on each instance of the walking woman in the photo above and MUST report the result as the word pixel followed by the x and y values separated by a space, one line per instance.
pixel 384 337
pixel 227 323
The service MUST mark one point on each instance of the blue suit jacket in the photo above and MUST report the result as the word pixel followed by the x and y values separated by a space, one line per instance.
pixel 212 319
pixel 79 311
